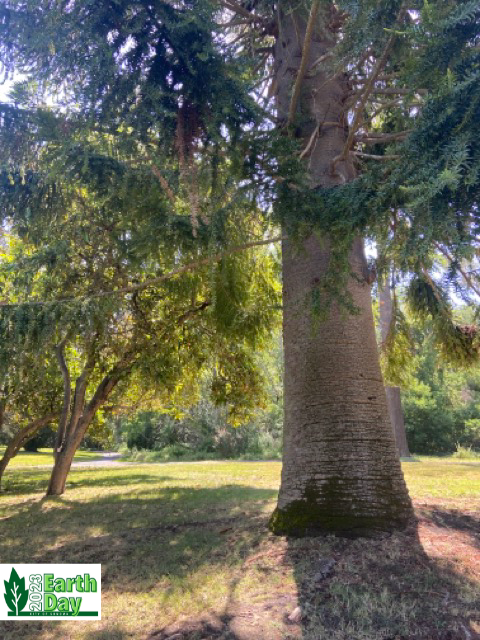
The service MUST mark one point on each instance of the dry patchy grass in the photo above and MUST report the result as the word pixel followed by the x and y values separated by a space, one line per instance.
pixel 186 555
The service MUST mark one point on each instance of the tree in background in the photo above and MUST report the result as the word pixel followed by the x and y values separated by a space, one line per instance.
pixel 394 400
pixel 371 109
pixel 81 245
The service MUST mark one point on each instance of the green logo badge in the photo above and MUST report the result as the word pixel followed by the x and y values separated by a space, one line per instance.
pixel 16 596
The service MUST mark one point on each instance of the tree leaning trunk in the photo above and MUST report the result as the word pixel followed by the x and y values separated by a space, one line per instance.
pixel 20 438
pixel 394 399
pixel 80 419
pixel 61 467
pixel 341 473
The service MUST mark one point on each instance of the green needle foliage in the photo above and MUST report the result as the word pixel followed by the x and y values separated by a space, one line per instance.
pixel 143 137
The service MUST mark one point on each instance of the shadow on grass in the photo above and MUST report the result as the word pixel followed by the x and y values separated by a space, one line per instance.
pixel 149 542
pixel 455 520
pixel 26 481
pixel 381 589
pixel 160 540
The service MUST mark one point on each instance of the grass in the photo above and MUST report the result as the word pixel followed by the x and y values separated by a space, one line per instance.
pixel 44 457
pixel 186 555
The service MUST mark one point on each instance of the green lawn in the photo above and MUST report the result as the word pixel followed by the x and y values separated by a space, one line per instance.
pixel 45 456
pixel 186 554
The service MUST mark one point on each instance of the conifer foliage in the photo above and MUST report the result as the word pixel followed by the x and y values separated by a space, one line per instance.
pixel 147 136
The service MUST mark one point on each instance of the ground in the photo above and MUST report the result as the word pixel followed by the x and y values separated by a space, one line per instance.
pixel 186 555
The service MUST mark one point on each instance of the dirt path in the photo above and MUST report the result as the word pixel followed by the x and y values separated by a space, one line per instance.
pixel 107 459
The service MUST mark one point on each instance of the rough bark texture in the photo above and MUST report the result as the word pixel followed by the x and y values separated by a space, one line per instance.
pixel 341 473
pixel 394 399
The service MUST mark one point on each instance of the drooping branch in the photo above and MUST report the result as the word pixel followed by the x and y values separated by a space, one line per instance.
pixel 459 268
pixel 191 266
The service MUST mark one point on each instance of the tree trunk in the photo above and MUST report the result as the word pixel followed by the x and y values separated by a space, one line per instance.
pixel 20 438
pixel 341 473
pixel 61 467
pixel 78 425
pixel 393 393
pixel 395 410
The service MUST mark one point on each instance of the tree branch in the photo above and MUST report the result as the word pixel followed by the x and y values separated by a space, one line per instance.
pixel 21 437
pixel 370 156
pixel 369 85
pixel 67 395
pixel 303 63
pixel 463 273
pixel 191 266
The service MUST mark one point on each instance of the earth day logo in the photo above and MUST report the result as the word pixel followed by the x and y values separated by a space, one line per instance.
pixel 51 591
pixel 16 596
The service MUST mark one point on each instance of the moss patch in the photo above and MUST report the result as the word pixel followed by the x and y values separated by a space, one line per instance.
pixel 330 510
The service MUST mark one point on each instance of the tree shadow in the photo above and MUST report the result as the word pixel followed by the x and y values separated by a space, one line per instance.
pixel 149 542
pixel 386 588
pixel 25 481
pixel 158 540
pixel 455 520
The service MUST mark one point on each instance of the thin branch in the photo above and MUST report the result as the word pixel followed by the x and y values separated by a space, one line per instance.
pixel 158 174
pixel 382 138
pixel 67 395
pixel 310 142
pixel 370 156
pixel 369 85
pixel 191 266
pixel 464 274
pixel 303 64
pixel 241 11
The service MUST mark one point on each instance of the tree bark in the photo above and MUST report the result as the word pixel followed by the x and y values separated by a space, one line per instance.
pixel 67 395
pixel 395 410
pixel 341 473
pixel 394 399
pixel 78 425
pixel 20 438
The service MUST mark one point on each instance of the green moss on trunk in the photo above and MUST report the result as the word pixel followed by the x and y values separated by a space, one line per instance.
pixel 332 510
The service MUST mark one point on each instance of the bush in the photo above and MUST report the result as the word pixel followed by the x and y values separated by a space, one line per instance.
pixel 466 453
pixel 43 438
pixel 202 434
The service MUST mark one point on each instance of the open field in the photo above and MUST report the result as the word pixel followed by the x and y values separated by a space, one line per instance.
pixel 45 456
pixel 186 554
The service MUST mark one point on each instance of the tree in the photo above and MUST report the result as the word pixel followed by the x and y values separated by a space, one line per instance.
pixel 372 108
pixel 30 384
pixel 394 400
pixel 74 303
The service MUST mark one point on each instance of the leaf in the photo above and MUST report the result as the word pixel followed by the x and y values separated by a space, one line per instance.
pixel 16 595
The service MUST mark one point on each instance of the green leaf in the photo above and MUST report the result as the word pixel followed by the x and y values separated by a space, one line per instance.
pixel 16 595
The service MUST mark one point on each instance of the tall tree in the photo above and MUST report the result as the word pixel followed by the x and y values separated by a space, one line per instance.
pixel 360 109
pixel 394 399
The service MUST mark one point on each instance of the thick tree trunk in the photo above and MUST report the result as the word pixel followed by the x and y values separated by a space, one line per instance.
pixel 341 473
pixel 393 393
pixel 20 438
